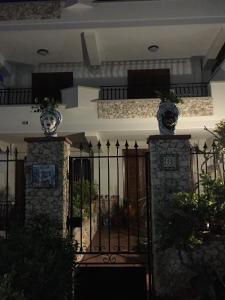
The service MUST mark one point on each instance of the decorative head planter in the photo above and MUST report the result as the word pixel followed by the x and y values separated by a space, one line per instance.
pixel 50 118
pixel 168 112
pixel 167 116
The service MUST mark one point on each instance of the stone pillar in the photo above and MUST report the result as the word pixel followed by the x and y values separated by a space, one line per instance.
pixel 170 171
pixel 47 184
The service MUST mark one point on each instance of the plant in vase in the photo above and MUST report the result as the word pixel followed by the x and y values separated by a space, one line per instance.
pixel 168 112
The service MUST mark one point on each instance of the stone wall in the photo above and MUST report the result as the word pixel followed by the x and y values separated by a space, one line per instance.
pixel 170 171
pixel 147 108
pixel 30 10
pixel 192 272
pixel 87 236
pixel 52 201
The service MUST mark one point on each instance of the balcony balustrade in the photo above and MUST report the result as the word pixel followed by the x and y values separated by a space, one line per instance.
pixel 16 96
pixel 139 92
pixel 23 96
pixel 7 1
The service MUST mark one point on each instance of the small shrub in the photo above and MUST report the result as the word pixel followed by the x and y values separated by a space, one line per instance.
pixel 39 262
pixel 189 214
pixel 7 291
pixel 84 192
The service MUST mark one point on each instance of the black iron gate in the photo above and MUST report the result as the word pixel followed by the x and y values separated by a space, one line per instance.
pixel 110 212
pixel 12 190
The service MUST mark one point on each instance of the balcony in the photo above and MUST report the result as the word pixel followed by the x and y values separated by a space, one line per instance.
pixel 23 96
pixel 120 102
pixel 20 1
pixel 181 90
pixel 17 96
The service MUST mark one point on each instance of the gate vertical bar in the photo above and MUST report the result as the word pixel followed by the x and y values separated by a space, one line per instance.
pixel 99 198
pixel 118 196
pixel 127 194
pixel 197 166
pixel 205 157
pixel 71 178
pixel 222 154
pixel 214 159
pixel 109 209
pixel 7 194
pixel 90 199
pixel 137 195
pixel 150 278
pixel 81 196
pixel 16 210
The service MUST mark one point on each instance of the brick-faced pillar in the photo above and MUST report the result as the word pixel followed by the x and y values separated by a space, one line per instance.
pixel 170 171
pixel 47 185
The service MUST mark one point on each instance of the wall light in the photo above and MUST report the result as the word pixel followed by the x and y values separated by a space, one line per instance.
pixel 42 52
pixel 153 48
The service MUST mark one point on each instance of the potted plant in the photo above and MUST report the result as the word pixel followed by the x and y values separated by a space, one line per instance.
pixel 168 112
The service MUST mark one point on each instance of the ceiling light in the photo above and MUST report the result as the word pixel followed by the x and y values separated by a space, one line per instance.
pixel 153 48
pixel 42 52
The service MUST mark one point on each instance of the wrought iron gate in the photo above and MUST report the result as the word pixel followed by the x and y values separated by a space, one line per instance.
pixel 110 207
pixel 12 190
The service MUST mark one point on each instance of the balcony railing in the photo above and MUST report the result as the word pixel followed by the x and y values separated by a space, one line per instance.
pixel 15 96
pixel 23 96
pixel 139 91
pixel 6 1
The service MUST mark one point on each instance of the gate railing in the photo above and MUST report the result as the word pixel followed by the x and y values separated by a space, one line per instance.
pixel 208 160
pixel 109 202
pixel 11 206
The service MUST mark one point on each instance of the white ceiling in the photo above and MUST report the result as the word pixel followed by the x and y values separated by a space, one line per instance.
pixel 131 43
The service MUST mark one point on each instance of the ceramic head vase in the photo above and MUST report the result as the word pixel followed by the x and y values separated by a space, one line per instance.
pixel 50 119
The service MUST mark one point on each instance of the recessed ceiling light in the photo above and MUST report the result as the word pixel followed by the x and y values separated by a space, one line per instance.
pixel 153 48
pixel 42 52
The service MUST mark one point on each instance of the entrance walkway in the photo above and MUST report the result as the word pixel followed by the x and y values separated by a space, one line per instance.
pixel 111 283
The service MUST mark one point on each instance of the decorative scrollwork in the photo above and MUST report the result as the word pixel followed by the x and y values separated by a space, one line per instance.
pixel 99 248
pixel 109 259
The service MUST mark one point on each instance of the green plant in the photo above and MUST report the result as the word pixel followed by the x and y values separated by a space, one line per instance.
pixel 7 290
pixel 214 195
pixel 43 103
pixel 169 96
pixel 38 263
pixel 84 192
pixel 220 133
pixel 3 195
pixel 187 215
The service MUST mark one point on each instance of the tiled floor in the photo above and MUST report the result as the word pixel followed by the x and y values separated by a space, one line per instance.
pixel 113 246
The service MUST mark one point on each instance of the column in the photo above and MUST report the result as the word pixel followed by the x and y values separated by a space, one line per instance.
pixel 47 184
pixel 170 172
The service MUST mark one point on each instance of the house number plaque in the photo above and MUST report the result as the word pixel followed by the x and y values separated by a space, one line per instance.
pixel 169 162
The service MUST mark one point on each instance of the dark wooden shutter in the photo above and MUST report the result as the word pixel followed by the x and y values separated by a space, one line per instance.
pixel 145 83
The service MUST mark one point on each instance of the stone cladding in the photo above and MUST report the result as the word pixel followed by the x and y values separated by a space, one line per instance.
pixel 170 171
pixel 30 10
pixel 51 201
pixel 146 108
pixel 175 271
pixel 178 271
